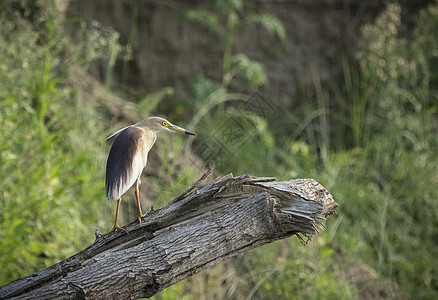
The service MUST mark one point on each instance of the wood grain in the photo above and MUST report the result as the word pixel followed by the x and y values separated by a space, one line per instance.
pixel 193 232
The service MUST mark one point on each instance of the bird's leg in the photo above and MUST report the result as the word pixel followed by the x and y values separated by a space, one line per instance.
pixel 116 223
pixel 140 214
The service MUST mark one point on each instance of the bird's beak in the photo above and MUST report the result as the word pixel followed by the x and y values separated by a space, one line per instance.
pixel 180 130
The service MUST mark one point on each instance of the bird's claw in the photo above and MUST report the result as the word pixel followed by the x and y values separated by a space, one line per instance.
pixel 140 215
pixel 116 227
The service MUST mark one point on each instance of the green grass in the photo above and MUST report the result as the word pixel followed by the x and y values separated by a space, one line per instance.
pixel 50 173
pixel 372 142
pixel 376 157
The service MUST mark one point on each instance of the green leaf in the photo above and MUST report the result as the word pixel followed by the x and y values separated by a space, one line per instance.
pixel 202 87
pixel 250 70
pixel 205 18
pixel 272 24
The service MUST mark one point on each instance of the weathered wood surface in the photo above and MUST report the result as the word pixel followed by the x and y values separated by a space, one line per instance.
pixel 193 232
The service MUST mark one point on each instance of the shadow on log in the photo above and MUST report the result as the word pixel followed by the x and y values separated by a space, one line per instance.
pixel 197 230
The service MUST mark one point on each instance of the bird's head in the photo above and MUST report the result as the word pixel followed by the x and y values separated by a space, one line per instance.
pixel 158 124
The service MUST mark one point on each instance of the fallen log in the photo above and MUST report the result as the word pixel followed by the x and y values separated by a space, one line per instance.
pixel 197 230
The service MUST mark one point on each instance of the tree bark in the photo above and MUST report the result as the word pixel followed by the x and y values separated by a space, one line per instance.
pixel 197 230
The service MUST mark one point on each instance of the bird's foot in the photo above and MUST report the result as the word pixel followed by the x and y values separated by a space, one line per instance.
pixel 139 216
pixel 116 227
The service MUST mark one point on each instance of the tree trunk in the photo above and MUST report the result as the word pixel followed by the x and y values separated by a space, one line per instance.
pixel 197 230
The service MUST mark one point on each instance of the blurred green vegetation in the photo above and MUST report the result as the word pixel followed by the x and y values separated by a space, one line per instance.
pixel 371 141
pixel 50 174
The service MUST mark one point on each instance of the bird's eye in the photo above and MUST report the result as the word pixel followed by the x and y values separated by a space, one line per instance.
pixel 164 123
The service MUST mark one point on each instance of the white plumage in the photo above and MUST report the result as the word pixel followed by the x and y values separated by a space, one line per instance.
pixel 128 157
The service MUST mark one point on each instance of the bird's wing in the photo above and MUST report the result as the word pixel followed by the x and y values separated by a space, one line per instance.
pixel 125 162
pixel 115 133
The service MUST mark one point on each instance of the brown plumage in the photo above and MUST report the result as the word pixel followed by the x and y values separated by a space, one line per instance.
pixel 128 157
pixel 125 161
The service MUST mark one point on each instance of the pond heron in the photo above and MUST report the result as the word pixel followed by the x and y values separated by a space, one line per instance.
pixel 128 157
